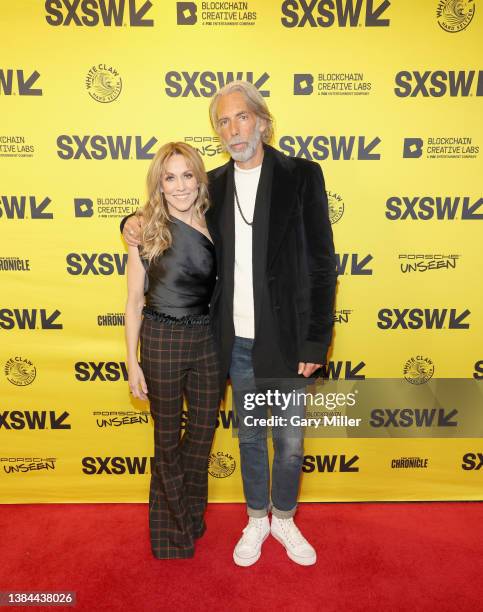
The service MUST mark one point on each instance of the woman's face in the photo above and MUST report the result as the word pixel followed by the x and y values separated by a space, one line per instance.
pixel 179 184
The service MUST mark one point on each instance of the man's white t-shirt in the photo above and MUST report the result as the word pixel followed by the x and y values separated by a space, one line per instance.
pixel 246 182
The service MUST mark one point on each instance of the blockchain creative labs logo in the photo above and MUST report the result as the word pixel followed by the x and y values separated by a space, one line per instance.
pixel 19 82
pixel 441 147
pixel 221 465
pixel 207 146
pixel 215 14
pixel 14 264
pixel 111 319
pixel 118 418
pixel 331 84
pixel 342 316
pixel 15 146
pixel 20 371
pixel 108 207
pixel 406 463
pixel 103 83
pixel 424 262
pixel 418 370
pixel 16 465
pixel 455 15
pixel 336 206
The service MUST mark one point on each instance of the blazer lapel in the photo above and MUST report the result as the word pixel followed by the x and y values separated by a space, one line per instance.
pixel 283 199
pixel 227 229
pixel 261 218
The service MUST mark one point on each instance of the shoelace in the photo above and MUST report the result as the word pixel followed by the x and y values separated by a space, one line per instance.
pixel 292 532
pixel 253 529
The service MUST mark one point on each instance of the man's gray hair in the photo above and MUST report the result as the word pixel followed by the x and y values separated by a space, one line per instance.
pixel 255 102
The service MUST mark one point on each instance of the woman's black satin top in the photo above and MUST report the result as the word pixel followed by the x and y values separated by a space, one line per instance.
pixel 181 281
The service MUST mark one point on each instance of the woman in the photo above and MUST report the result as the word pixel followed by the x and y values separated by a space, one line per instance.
pixel 170 278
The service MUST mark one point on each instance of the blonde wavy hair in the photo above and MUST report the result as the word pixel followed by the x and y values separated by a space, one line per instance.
pixel 154 215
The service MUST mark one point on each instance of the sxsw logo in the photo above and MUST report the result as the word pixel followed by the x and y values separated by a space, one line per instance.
pixel 227 419
pixel 428 207
pixel 472 461
pixel 104 147
pixel 186 13
pixel 422 318
pixel 343 369
pixel 91 13
pixel 16 207
pixel 82 264
pixel 206 83
pixel 341 13
pixel 330 147
pixel 104 371
pixel 33 419
pixel 438 83
pixel 330 463
pixel 29 318
pixel 413 417
pixel 116 465
pixel 24 83
pixel 353 263
pixel 303 84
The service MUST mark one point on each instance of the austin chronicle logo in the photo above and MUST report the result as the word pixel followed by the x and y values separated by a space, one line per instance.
pixel 103 83
pixel 336 206
pixel 20 371
pixel 418 370
pixel 455 15
pixel 221 465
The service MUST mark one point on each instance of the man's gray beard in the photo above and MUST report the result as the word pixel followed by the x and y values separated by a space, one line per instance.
pixel 249 152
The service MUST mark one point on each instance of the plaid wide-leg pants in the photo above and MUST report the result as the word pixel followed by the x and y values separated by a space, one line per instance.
pixel 179 359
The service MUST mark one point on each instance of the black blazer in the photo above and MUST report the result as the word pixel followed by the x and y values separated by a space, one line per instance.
pixel 294 267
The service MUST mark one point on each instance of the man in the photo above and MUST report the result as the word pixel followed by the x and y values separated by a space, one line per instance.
pixel 272 307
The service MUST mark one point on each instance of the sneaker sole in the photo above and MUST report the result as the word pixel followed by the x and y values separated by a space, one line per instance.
pixel 243 562
pixel 295 558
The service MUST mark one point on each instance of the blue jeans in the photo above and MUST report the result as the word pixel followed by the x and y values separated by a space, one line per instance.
pixel 287 443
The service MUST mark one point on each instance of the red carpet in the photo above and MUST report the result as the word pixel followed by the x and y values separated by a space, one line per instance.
pixel 417 557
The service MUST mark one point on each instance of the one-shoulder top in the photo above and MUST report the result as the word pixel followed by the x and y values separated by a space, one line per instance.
pixel 180 282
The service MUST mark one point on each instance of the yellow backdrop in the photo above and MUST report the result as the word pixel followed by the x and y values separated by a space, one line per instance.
pixel 385 95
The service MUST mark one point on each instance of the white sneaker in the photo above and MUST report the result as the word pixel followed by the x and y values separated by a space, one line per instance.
pixel 297 547
pixel 249 547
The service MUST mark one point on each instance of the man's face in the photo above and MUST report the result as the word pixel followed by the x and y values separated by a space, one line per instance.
pixel 238 126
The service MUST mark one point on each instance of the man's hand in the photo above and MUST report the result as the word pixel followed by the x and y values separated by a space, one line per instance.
pixel 132 231
pixel 307 369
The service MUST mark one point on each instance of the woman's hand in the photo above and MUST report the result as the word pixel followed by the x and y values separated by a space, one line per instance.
pixel 132 231
pixel 137 384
